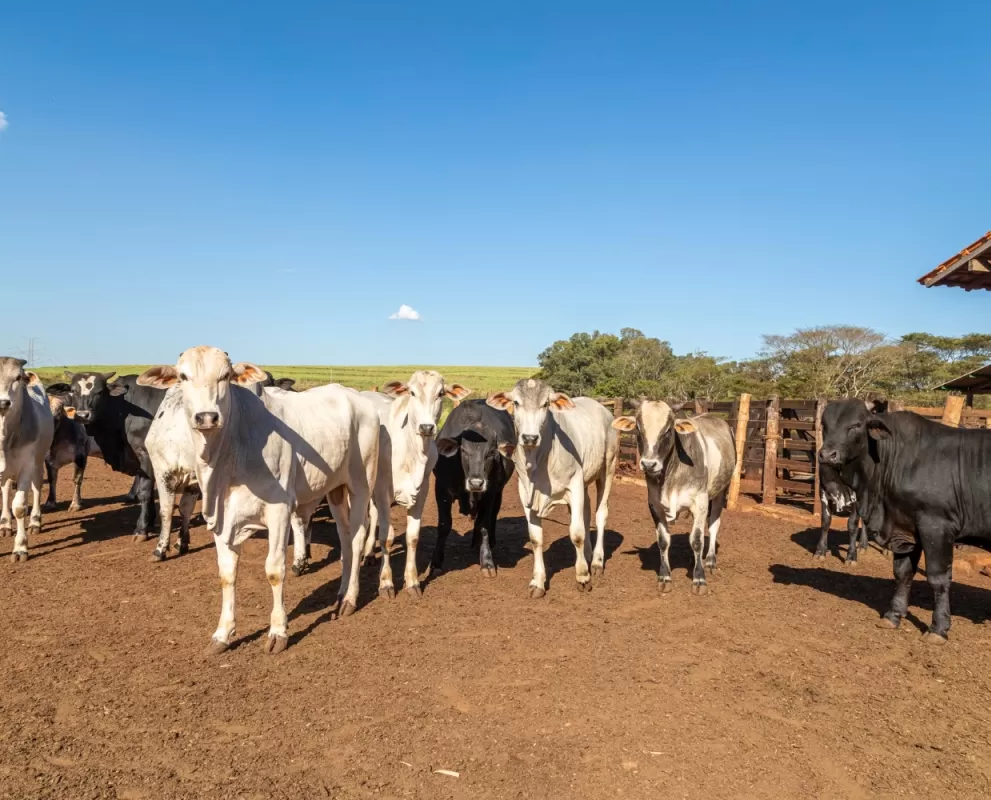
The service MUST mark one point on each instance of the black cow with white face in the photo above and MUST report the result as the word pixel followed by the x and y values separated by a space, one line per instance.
pixel 476 447
pixel 838 497
pixel 117 415
pixel 927 487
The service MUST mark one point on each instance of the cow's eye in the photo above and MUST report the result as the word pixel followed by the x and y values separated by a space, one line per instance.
pixel 516 403
pixel 183 376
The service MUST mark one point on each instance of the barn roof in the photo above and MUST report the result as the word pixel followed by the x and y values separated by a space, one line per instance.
pixel 969 269
pixel 976 382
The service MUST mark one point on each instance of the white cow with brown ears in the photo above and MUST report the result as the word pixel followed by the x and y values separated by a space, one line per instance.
pixel 268 465
pixel 26 430
pixel 409 413
pixel 564 446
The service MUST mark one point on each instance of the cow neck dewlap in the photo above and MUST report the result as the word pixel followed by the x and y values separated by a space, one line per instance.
pixel 216 458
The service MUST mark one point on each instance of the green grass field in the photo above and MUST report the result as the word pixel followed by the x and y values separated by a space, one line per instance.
pixel 481 380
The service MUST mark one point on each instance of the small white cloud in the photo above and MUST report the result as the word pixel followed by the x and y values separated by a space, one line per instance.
pixel 407 312
pixel 3 122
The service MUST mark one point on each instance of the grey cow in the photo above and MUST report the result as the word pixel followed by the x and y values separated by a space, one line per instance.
pixel 688 464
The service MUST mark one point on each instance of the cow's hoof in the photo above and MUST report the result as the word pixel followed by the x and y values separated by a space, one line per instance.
pixel 711 568
pixel 141 537
pixel 664 587
pixel 347 608
pixel 597 570
pixel 276 644
pixel 850 563
pixel 18 557
pixel 700 589
pixel 72 507
pixel 414 591
pixel 818 556
pixel 48 507
pixel 34 525
pixel 535 592
pixel 931 637
pixel 216 648
pixel 4 531
pixel 158 555
pixel 584 587
pixel 368 561
pixel 387 592
pixel 887 623
pixel 183 548
pixel 298 568
pixel 487 571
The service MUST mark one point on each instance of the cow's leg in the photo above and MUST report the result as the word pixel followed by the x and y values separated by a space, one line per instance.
pixel 663 545
pixel 20 509
pixel 445 521
pixel 372 538
pixel 863 531
pixel 132 493
pixel 700 514
pixel 277 520
pixel 411 578
pixel 227 559
pixel 578 532
pixel 35 477
pixel 382 503
pixel 937 543
pixel 488 513
pixel 78 472
pixel 52 473
pixel 603 488
pixel 716 506
pixel 535 530
pixel 905 566
pixel 5 489
pixel 851 527
pixel 146 507
pixel 359 532
pixel 298 525
pixel 340 510
pixel 826 518
pixel 186 504
pixel 166 502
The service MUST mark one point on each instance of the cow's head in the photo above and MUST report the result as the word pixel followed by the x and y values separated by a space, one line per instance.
pixel 844 429
pixel 530 402
pixel 656 428
pixel 204 375
pixel 13 380
pixel 425 391
pixel 90 392
pixel 479 451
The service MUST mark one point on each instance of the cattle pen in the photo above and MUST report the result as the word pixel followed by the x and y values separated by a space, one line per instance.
pixel 787 472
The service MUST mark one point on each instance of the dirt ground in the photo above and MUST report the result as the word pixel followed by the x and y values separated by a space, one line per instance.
pixel 777 684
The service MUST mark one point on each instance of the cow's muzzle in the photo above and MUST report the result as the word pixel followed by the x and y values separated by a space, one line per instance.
pixel 476 485
pixel 427 430
pixel 82 416
pixel 530 439
pixel 830 457
pixel 206 420
pixel 650 466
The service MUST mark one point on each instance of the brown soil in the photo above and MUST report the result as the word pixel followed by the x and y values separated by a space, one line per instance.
pixel 777 684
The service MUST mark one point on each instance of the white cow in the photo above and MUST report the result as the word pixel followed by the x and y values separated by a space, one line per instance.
pixel 26 430
pixel 564 446
pixel 409 413
pixel 258 462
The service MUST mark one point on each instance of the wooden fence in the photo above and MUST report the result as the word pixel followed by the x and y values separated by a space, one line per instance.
pixel 787 471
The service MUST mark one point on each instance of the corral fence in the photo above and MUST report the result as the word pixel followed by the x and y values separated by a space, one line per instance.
pixel 777 441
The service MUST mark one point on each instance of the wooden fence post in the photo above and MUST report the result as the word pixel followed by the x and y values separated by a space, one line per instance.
pixel 816 499
pixel 953 410
pixel 742 418
pixel 617 407
pixel 771 440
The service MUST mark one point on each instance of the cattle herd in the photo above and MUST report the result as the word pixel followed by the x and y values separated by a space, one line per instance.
pixel 263 456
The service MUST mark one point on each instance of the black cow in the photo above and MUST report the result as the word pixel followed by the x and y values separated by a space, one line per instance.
pixel 837 496
pixel 117 415
pixel 485 438
pixel 928 487
pixel 70 445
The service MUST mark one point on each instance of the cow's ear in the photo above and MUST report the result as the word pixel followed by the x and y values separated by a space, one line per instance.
pixel 625 424
pixel 457 392
pixel 447 447
pixel 506 448
pixel 878 429
pixel 33 379
pixel 500 401
pixel 69 411
pixel 685 426
pixel 876 406
pixel 561 401
pixel 245 374
pixel 158 377
pixel 676 407
pixel 68 375
pixel 108 376
pixel 118 389
pixel 395 389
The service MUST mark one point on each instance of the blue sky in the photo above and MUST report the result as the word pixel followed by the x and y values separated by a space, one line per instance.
pixel 277 179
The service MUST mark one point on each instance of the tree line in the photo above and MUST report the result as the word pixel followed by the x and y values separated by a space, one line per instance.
pixel 827 361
